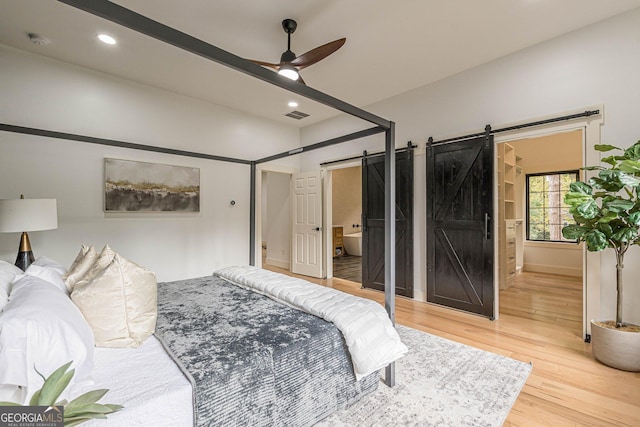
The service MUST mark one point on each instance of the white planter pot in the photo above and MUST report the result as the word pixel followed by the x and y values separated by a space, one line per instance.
pixel 616 348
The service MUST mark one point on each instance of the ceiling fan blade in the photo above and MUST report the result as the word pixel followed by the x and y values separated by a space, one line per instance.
pixel 317 54
pixel 266 64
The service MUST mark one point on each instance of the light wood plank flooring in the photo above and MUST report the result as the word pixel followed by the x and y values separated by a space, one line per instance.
pixel 540 322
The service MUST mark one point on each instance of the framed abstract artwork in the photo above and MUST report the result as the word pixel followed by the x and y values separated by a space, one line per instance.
pixel 131 186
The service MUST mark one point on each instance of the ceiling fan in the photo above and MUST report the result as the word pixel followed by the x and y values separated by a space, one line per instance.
pixel 290 64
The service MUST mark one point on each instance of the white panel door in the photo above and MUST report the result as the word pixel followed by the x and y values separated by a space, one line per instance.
pixel 307 224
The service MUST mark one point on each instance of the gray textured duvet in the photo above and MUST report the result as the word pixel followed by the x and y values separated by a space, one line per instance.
pixel 254 361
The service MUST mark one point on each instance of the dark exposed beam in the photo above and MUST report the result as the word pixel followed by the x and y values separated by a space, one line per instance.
pixel 140 23
pixel 322 144
pixel 115 143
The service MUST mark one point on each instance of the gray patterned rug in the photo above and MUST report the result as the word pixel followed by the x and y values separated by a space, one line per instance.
pixel 440 383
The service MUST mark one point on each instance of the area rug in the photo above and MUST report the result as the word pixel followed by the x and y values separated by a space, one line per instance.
pixel 440 383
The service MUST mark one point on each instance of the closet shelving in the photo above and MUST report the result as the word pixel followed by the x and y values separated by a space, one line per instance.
pixel 509 225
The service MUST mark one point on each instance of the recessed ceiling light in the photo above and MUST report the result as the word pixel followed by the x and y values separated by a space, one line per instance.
pixel 292 104
pixel 105 38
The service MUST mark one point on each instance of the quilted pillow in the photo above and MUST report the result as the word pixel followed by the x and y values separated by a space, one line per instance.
pixel 7 273
pixel 119 302
pixel 83 262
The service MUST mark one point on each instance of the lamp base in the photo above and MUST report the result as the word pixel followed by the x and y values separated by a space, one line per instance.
pixel 25 254
pixel 24 260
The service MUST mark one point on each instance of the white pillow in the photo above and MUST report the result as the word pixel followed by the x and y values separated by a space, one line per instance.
pixel 49 271
pixel 41 327
pixel 7 273
pixel 83 262
pixel 119 303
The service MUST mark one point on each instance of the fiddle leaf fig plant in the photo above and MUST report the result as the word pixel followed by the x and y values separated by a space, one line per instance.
pixel 606 208
pixel 82 408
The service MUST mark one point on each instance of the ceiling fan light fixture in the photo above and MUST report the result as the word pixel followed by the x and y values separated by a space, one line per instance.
pixel 288 71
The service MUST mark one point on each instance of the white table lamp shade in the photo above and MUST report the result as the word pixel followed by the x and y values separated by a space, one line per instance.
pixel 18 215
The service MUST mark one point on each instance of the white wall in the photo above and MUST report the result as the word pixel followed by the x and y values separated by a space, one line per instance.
pixel 42 93
pixel 278 219
pixel 592 66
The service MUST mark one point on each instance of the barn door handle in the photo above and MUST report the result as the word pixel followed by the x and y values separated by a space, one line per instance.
pixel 487 230
pixel 364 222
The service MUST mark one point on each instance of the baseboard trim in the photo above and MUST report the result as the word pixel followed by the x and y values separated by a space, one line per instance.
pixel 277 263
pixel 553 269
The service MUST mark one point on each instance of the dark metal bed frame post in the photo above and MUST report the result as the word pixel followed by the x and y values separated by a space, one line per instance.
pixel 252 216
pixel 390 238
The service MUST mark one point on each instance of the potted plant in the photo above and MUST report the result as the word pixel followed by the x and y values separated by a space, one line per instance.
pixel 81 409
pixel 606 210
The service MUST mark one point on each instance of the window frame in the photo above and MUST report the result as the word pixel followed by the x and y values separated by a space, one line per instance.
pixel 576 172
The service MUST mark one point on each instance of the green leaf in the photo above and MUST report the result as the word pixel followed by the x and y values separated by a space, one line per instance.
pixel 605 147
pixel 588 210
pixel 629 166
pixel 596 241
pixel 606 229
pixel 55 384
pixel 574 198
pixel 611 160
pixel 634 218
pixel 9 404
pixel 34 398
pixel 580 187
pixel 608 217
pixel 89 397
pixel 574 231
pixel 87 408
pixel 114 408
pixel 38 372
pixel 633 152
pixel 627 179
pixel 618 205
pixel 626 234
pixel 592 168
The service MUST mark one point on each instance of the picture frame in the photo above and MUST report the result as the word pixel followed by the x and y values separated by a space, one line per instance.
pixel 134 186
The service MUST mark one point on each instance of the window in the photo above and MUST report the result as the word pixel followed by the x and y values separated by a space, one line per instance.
pixel 546 211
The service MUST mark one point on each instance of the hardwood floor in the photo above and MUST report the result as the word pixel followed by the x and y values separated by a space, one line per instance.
pixel 540 322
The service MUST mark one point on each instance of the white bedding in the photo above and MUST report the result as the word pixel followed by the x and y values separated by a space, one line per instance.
pixel 371 338
pixel 146 381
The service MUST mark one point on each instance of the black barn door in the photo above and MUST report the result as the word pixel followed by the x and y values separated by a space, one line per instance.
pixel 373 222
pixel 459 218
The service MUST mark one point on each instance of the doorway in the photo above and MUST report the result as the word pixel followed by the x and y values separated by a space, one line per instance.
pixel 540 273
pixel 346 227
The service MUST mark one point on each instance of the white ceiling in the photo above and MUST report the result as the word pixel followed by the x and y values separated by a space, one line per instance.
pixel 392 46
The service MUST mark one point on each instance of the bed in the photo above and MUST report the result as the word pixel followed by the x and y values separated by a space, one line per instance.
pixel 244 346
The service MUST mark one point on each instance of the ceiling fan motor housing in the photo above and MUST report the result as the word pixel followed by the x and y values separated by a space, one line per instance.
pixel 289 25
